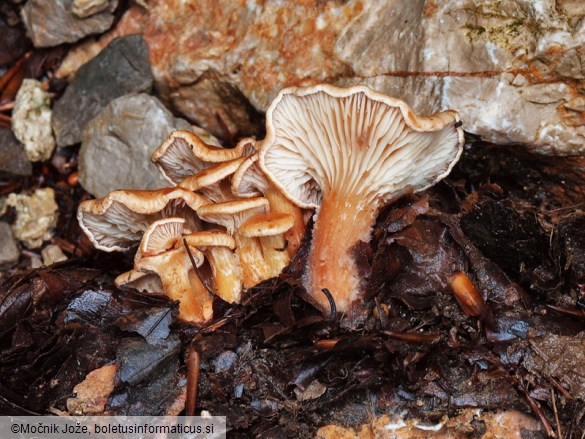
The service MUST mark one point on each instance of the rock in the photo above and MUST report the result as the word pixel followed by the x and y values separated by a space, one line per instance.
pixel 31 120
pixel 218 107
pixel 514 69
pixel 36 216
pixel 510 68
pixel 9 252
pixel 50 23
pixel 86 8
pixel 13 42
pixel 122 68
pixel 52 254
pixel 117 144
pixel 13 160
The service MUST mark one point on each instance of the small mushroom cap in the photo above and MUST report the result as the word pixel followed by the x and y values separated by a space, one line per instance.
pixel 231 214
pixel 214 183
pixel 249 180
pixel 117 221
pixel 141 281
pixel 354 140
pixel 161 235
pixel 183 154
pixel 266 224
pixel 210 238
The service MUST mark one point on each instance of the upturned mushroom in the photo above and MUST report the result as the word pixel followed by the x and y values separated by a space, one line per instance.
pixel 163 252
pixel 184 153
pixel 249 181
pixel 117 221
pixel 347 153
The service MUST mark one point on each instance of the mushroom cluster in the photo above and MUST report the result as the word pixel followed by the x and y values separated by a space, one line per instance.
pixel 220 211
pixel 345 153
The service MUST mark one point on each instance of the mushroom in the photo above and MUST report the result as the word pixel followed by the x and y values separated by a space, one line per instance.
pixel 117 221
pixel 231 214
pixel 163 252
pixel 347 153
pixel 183 154
pixel 269 229
pixel 218 246
pixel 249 181
pixel 213 182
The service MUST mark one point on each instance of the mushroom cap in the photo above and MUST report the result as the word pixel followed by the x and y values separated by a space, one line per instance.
pixel 231 214
pixel 210 238
pixel 183 154
pixel 354 140
pixel 117 221
pixel 141 281
pixel 161 235
pixel 213 182
pixel 249 180
pixel 266 224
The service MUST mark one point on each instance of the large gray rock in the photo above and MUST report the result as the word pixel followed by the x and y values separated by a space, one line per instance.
pixel 9 252
pixel 117 144
pixel 13 160
pixel 50 23
pixel 122 68
pixel 514 69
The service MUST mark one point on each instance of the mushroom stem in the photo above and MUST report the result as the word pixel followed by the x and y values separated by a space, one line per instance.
pixel 254 268
pixel 275 254
pixel 226 273
pixel 279 203
pixel 343 220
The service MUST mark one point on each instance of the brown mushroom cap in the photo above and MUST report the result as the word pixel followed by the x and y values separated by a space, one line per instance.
pixel 231 214
pixel 348 152
pixel 117 221
pixel 213 182
pixel 266 224
pixel 183 154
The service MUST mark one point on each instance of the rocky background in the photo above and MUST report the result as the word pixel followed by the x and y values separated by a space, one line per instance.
pixel 89 88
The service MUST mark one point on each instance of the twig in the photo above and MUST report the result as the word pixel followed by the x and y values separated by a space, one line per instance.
pixel 332 305
pixel 554 404
pixel 538 412
pixel 7 106
pixel 193 367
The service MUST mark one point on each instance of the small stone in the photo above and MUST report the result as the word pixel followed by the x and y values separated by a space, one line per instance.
pixel 31 120
pixel 117 145
pixel 9 252
pixel 36 216
pixel 52 254
pixel 225 361
pixel 313 391
pixel 13 160
pixel 86 8
pixel 50 23
pixel 120 69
